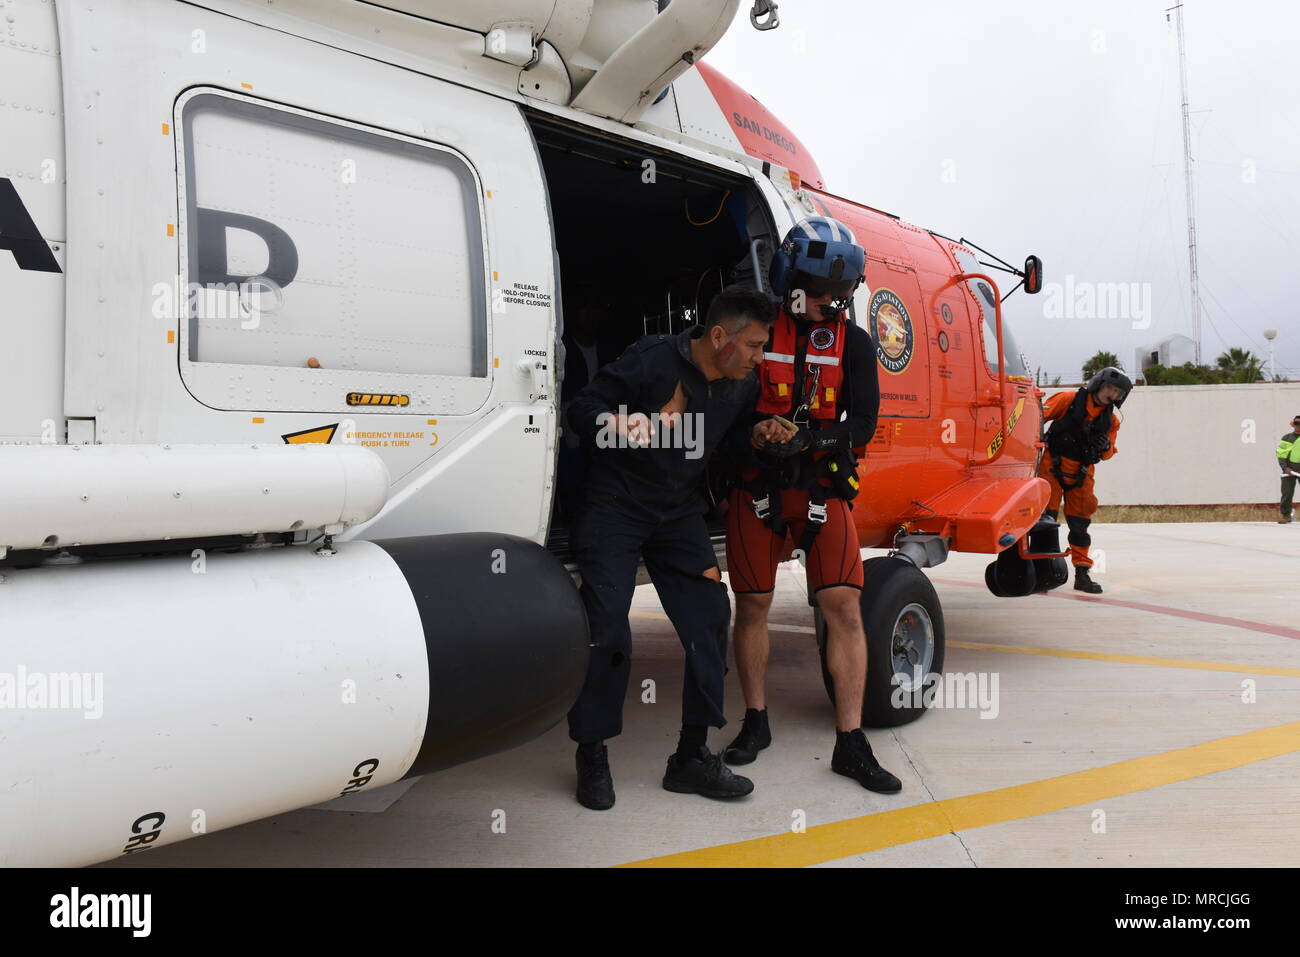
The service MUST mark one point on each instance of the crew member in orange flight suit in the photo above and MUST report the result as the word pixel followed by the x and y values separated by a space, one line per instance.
pixel 1081 432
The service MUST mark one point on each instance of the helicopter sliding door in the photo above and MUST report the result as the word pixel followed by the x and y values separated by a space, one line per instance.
pixel 281 241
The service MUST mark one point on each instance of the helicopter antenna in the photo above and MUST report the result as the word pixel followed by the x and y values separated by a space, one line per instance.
pixel 1189 171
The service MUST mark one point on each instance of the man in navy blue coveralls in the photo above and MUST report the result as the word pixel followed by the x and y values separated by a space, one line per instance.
pixel 653 418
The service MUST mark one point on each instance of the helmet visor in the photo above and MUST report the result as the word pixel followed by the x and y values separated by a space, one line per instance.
pixel 815 287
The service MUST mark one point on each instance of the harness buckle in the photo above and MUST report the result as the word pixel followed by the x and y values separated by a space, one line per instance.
pixel 817 513
pixel 762 506
pixel 802 414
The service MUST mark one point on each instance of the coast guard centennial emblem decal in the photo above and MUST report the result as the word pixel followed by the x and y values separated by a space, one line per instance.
pixel 894 337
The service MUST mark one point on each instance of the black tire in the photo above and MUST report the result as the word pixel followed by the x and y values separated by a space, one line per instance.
pixel 1046 537
pixel 1010 576
pixel 890 585
pixel 991 579
pixel 1051 573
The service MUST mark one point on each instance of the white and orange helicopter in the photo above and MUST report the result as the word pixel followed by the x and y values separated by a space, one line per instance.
pixel 283 288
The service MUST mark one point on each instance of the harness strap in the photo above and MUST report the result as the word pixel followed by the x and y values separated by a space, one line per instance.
pixel 765 494
pixel 1079 478
pixel 817 496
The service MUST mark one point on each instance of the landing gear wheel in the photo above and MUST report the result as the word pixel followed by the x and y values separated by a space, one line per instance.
pixel 905 638
pixel 1046 537
pixel 1010 576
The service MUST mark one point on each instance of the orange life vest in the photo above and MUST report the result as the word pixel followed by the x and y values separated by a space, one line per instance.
pixel 823 365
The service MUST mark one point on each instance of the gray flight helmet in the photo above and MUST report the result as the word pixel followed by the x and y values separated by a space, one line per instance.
pixel 1111 376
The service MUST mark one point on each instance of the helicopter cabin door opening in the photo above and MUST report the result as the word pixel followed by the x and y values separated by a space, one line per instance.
pixel 645 240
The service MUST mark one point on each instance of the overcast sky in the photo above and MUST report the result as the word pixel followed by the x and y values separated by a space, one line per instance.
pixel 1060 124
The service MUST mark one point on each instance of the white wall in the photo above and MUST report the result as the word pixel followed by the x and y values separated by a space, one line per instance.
pixel 1191 445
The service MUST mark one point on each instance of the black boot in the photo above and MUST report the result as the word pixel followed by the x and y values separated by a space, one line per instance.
pixel 754 736
pixel 704 773
pixel 595 784
pixel 1084 583
pixel 853 758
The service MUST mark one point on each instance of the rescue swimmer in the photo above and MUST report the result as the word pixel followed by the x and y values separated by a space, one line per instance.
pixel 1081 432
pixel 643 500
pixel 819 374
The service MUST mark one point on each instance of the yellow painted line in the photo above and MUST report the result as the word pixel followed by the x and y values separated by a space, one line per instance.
pixel 1188 663
pixel 1130 659
pixel 830 842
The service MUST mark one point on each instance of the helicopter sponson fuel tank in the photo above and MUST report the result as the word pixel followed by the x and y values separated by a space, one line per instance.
pixel 145 700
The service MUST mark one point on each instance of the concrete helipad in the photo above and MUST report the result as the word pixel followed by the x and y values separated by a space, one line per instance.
pixel 1156 725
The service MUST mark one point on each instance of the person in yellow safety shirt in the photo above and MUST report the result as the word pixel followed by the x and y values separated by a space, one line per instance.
pixel 1288 457
pixel 1081 432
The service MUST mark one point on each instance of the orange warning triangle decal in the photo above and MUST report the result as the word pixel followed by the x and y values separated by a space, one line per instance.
pixel 322 435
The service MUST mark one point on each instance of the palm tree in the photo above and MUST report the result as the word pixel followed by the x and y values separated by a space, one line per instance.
pixel 1240 365
pixel 1098 362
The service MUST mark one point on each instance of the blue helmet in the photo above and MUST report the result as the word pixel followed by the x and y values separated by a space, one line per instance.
pixel 820 256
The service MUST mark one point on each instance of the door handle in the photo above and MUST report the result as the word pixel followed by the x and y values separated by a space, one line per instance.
pixel 536 369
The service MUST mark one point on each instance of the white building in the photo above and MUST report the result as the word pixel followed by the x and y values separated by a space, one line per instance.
pixel 1170 351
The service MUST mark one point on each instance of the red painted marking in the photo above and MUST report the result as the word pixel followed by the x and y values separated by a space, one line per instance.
pixel 1279 630
pixel 760 133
